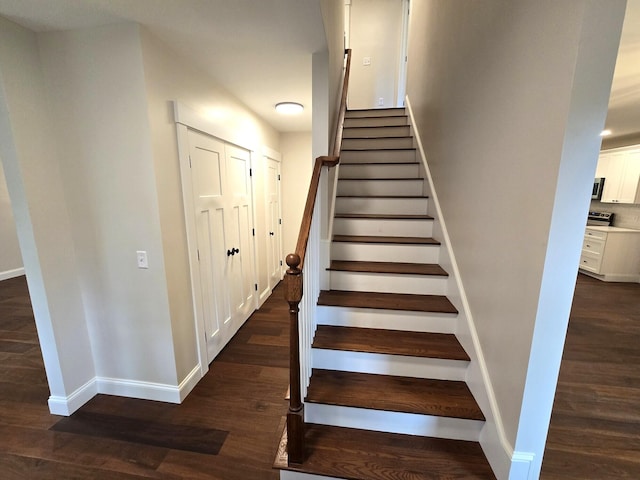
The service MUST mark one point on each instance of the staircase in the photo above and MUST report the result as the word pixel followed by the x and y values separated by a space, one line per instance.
pixel 387 397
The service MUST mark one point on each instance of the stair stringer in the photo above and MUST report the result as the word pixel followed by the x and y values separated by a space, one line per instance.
pixel 497 448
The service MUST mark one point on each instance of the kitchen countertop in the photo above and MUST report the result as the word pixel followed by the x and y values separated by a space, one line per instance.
pixel 612 229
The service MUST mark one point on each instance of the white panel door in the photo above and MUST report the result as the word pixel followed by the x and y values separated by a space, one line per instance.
pixel 222 201
pixel 239 236
pixel 272 192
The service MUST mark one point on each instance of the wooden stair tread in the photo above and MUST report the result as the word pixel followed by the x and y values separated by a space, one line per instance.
pixel 383 216
pixel 377 163
pixel 425 396
pixel 386 179
pixel 395 240
pixel 388 267
pixel 357 454
pixel 367 149
pixel 387 301
pixel 401 197
pixel 390 342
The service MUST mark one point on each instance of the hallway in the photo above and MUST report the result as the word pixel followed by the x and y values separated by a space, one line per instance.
pixel 237 408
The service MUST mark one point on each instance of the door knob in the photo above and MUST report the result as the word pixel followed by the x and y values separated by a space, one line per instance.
pixel 235 250
pixel 230 252
pixel 271 233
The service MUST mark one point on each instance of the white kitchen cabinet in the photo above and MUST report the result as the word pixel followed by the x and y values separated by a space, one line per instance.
pixel 621 171
pixel 611 254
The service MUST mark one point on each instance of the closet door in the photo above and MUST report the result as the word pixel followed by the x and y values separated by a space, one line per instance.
pixel 272 193
pixel 222 201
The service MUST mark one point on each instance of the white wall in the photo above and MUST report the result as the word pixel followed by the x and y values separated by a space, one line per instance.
pixel 95 83
pixel 170 78
pixel 375 32
pixel 10 257
pixel 509 99
pixel 296 169
pixel 28 149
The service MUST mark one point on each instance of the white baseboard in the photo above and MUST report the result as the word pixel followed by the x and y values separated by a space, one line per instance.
pixel 521 463
pixel 263 296
pixel 67 405
pixel 7 274
pixel 124 388
pixel 190 381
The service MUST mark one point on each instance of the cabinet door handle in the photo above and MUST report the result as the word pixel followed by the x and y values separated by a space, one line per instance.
pixel 271 233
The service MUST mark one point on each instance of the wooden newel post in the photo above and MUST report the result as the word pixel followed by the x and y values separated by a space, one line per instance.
pixel 295 416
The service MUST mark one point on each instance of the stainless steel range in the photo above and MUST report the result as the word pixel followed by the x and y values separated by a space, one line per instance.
pixel 602 219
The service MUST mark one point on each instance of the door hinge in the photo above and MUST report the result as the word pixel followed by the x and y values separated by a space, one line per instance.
pixel 251 172
pixel 198 254
pixel 279 221
pixel 278 176
pixel 253 232
pixel 280 262
pixel 256 285
pixel 189 161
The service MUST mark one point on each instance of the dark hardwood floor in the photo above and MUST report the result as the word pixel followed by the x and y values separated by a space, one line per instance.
pixel 595 424
pixel 594 434
pixel 237 408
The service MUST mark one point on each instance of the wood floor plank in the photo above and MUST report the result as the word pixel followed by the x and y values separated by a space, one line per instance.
pixel 388 267
pixel 387 301
pixel 595 424
pixel 402 394
pixel 392 342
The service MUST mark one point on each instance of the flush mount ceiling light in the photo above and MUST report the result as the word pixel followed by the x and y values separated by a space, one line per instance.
pixel 289 108
pixel 605 133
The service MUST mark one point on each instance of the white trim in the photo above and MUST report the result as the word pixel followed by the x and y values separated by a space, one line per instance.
pixel 67 405
pixel 394 422
pixel 521 466
pixel 192 244
pixel 135 389
pixel 189 382
pixel 493 417
pixel 613 277
pixel 404 52
pixel 7 274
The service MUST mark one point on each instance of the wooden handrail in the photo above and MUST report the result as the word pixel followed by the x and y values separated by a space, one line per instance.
pixel 294 286
pixel 337 141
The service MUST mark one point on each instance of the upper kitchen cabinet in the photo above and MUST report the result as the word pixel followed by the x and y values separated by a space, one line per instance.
pixel 621 171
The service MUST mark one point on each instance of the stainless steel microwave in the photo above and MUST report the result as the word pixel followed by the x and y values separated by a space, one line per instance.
pixel 598 185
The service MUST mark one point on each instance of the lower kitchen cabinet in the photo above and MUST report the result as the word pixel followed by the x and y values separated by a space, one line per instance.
pixel 611 254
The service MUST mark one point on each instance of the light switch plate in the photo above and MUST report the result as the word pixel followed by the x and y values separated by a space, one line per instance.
pixel 143 261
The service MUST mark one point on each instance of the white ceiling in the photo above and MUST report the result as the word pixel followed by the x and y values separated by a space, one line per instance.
pixel 624 104
pixel 260 50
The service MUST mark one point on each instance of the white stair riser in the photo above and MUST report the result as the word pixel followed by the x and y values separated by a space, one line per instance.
pixel 290 475
pixel 393 422
pixel 376 318
pixel 377 112
pixel 409 170
pixel 403 142
pixel 371 205
pixel 398 365
pixel 375 121
pixel 383 227
pixel 388 283
pixel 377 156
pixel 373 132
pixel 399 188
pixel 384 252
